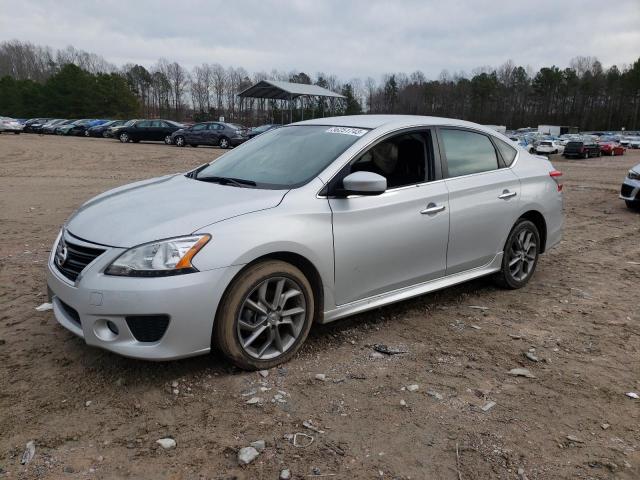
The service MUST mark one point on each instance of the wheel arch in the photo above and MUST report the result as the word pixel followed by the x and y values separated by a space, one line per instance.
pixel 538 220
pixel 303 264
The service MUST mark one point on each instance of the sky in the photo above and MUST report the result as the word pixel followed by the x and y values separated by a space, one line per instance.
pixel 347 38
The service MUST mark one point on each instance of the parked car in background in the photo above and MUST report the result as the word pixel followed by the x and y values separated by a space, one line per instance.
pixel 304 224
pixel 255 131
pixel 546 147
pixel 113 132
pixel 630 191
pixel 51 127
pixel 633 142
pixel 148 130
pixel 10 125
pixel 77 128
pixel 611 148
pixel 582 149
pixel 224 135
pixel 32 123
pixel 39 127
pixel 102 130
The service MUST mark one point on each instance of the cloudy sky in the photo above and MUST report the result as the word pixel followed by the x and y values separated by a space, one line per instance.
pixel 351 38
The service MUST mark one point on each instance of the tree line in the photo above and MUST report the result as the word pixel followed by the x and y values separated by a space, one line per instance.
pixel 38 81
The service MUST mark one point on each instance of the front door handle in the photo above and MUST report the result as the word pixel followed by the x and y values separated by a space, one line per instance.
pixel 432 208
pixel 507 194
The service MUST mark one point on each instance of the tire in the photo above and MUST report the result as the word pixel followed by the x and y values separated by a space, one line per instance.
pixel 517 275
pixel 224 142
pixel 228 331
pixel 613 153
pixel 179 141
pixel 167 140
pixel 631 205
pixel 86 133
pixel 16 133
pixel 123 137
pixel 105 134
pixel 586 155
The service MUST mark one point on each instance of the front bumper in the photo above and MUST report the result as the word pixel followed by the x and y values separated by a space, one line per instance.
pixel 630 190
pixel 190 301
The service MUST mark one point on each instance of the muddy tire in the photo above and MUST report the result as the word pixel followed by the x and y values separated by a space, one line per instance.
pixel 520 257
pixel 264 316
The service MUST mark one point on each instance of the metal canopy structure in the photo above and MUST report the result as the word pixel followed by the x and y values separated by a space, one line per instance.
pixel 276 90
pixel 291 93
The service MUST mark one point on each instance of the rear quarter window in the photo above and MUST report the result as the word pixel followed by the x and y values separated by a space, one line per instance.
pixel 507 151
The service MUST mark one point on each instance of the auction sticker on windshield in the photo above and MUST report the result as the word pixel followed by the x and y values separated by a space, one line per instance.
pixel 358 132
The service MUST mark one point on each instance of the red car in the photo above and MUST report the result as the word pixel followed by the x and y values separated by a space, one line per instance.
pixel 611 148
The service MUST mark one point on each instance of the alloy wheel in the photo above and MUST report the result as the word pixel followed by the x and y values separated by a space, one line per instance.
pixel 271 318
pixel 124 138
pixel 224 143
pixel 167 140
pixel 522 255
pixel 180 141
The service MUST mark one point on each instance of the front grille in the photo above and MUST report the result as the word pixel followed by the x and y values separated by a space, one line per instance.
pixel 626 190
pixel 76 259
pixel 72 312
pixel 148 328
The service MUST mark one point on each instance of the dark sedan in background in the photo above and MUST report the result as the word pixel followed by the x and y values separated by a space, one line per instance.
pixel 224 135
pixel 103 130
pixel 147 130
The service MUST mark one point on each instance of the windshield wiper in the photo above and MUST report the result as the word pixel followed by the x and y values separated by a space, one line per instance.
pixel 238 182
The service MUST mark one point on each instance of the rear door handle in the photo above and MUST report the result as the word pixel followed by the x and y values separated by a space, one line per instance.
pixel 507 194
pixel 432 208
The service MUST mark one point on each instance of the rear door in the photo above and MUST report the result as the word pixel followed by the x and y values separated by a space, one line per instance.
pixel 483 197
pixel 397 239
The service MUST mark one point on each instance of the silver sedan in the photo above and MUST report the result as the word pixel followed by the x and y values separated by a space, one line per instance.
pixel 304 224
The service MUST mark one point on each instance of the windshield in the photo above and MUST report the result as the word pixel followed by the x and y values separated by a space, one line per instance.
pixel 285 157
pixel 548 144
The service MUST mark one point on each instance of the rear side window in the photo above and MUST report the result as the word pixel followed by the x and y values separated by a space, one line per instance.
pixel 507 151
pixel 468 152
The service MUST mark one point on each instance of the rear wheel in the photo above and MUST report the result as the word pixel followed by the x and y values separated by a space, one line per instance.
pixel 613 152
pixel 520 255
pixel 224 142
pixel 124 137
pixel 586 155
pixel 167 140
pixel 265 315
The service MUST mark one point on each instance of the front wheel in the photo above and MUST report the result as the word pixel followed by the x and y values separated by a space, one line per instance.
pixel 613 153
pixel 520 256
pixel 123 137
pixel 586 155
pixel 179 141
pixel 224 142
pixel 265 315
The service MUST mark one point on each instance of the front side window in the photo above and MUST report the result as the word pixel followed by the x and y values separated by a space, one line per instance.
pixel 468 152
pixel 198 127
pixel 283 158
pixel 146 124
pixel 402 159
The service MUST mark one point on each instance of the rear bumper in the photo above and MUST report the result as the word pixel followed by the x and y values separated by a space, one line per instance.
pixel 189 301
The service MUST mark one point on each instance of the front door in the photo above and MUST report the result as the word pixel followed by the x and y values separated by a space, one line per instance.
pixel 397 239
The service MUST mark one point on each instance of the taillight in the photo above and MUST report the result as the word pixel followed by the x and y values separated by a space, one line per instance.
pixel 556 174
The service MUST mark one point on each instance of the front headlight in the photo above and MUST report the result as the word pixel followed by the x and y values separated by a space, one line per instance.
pixel 633 175
pixel 158 259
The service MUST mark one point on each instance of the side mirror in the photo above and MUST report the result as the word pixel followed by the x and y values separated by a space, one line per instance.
pixel 363 183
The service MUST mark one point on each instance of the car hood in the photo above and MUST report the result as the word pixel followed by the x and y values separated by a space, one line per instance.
pixel 163 207
pixel 180 130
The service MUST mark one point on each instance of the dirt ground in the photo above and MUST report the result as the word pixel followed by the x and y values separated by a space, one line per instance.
pixel 93 414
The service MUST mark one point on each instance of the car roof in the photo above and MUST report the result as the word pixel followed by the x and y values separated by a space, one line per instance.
pixel 393 121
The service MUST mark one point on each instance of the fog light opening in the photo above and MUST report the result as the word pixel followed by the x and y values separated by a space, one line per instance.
pixel 113 327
